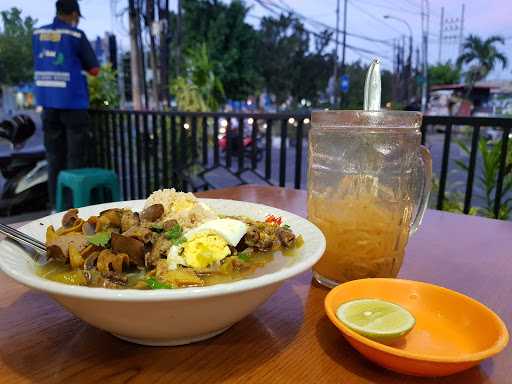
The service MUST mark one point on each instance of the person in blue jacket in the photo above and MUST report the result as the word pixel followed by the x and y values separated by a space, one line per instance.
pixel 62 56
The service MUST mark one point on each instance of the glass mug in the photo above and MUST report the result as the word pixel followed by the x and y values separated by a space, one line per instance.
pixel 369 181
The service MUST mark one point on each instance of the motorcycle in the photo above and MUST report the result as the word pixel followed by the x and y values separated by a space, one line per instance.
pixel 25 172
pixel 231 143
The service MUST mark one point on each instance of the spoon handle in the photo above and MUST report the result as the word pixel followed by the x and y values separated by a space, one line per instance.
pixel 23 238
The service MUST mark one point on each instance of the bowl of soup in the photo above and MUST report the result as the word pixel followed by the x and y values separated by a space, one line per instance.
pixel 166 270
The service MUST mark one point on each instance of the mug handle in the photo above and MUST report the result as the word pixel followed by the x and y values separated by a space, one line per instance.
pixel 426 172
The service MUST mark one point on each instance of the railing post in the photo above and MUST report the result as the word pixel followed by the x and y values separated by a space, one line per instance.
pixel 298 154
pixel 147 172
pixel 471 171
pixel 138 144
pixel 268 150
pixel 254 143
pixel 501 171
pixel 240 146
pixel 282 157
pixel 204 139
pixel 174 152
pixel 444 166
pixel 131 151
pixel 164 120
pixel 215 141
pixel 423 132
pixel 154 148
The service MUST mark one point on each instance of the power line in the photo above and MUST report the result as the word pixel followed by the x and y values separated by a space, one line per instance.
pixel 317 23
pixel 394 9
pixel 364 11
pixel 330 39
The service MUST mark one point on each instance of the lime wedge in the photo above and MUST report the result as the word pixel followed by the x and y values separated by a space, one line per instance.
pixel 376 319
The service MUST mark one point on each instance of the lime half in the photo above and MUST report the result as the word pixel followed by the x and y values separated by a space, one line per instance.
pixel 376 319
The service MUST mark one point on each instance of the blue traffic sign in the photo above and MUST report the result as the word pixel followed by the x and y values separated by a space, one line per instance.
pixel 344 83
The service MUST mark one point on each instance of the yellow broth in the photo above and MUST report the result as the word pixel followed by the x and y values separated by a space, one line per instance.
pixel 259 264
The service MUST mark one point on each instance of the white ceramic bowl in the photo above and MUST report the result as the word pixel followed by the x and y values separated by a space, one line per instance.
pixel 167 317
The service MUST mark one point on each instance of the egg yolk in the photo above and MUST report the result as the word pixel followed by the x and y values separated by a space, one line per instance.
pixel 205 249
pixel 181 205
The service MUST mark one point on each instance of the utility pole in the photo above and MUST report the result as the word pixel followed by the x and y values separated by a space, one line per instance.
pixel 344 46
pixel 153 28
pixel 396 69
pixel 178 40
pixel 165 42
pixel 335 54
pixel 135 57
pixel 142 57
pixel 403 78
pixel 461 31
pixel 441 28
pixel 425 19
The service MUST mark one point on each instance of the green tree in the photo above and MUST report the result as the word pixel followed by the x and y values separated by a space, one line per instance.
pixel 482 56
pixel 200 89
pixel 103 89
pixel 229 40
pixel 16 47
pixel 286 63
pixel 446 73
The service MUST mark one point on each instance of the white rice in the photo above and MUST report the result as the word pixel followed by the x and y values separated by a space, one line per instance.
pixel 183 207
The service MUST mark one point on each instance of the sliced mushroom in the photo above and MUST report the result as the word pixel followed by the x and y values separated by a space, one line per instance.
pixel 132 247
pixel 55 252
pixel 108 259
pixel 252 236
pixel 69 218
pixel 113 215
pixel 90 261
pixel 63 242
pixel 153 212
pixel 88 229
pixel 140 233
pixel 286 237
pixel 129 219
pixel 114 280
pixel 161 247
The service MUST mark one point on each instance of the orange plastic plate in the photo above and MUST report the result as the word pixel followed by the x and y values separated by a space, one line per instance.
pixel 453 332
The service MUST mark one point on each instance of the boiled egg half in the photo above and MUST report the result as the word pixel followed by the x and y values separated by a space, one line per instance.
pixel 207 243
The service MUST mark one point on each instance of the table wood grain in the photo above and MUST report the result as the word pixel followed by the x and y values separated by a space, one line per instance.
pixel 287 340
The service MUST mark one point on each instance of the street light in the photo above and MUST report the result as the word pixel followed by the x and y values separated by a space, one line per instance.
pixel 402 21
pixel 409 60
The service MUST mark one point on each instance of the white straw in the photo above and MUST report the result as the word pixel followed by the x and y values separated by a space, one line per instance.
pixel 372 87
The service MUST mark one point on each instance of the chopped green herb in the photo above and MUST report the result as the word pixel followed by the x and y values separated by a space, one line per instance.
pixel 153 283
pixel 245 255
pixel 175 234
pixel 100 239
pixel 179 241
pixel 286 226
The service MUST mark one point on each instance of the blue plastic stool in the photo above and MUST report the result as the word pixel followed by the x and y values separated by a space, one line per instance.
pixel 82 181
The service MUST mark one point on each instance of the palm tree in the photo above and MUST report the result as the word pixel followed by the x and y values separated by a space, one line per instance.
pixel 482 56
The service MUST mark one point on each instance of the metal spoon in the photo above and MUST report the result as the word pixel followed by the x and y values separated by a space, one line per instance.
pixel 24 240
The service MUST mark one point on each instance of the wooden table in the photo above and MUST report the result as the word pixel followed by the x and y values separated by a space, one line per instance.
pixel 287 340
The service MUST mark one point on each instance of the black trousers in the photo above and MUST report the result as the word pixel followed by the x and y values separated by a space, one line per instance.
pixel 66 138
